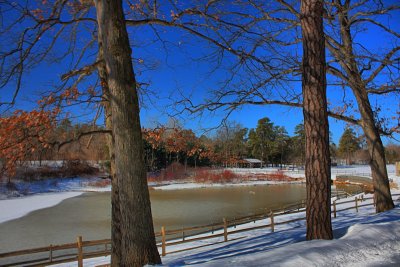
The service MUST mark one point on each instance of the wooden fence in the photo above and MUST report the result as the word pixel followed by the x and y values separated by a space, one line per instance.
pixel 81 250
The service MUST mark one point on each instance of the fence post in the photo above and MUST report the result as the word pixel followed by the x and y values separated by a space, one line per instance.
pixel 373 198
pixel 163 243
pixel 183 233
pixel 225 230
pixel 271 216
pixel 80 251
pixel 334 209
pixel 51 253
pixel 356 201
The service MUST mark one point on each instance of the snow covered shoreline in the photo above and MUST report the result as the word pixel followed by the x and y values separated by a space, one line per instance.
pixel 18 207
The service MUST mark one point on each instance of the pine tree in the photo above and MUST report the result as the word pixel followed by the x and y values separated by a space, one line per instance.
pixel 348 144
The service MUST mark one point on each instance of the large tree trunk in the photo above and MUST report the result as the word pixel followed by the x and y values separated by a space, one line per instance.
pixel 318 173
pixel 383 198
pixel 115 212
pixel 137 240
pixel 376 151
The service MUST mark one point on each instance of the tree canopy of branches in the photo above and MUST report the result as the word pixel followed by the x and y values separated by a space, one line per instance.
pixel 357 69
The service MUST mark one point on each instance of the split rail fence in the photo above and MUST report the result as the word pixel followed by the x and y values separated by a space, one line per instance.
pixel 80 250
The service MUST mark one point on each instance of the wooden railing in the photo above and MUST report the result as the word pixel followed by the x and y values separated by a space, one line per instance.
pixel 54 254
pixel 76 252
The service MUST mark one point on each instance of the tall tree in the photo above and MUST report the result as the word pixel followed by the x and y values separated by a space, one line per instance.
pixel 361 73
pixel 261 140
pixel 299 140
pixel 348 144
pixel 230 142
pixel 318 172
pixel 281 145
pixel 137 241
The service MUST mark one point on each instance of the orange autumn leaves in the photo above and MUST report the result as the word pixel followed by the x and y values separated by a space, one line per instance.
pixel 21 134
pixel 177 140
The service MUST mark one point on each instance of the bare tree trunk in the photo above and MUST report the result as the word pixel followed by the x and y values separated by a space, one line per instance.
pixel 383 198
pixel 318 173
pixel 115 212
pixel 382 195
pixel 135 225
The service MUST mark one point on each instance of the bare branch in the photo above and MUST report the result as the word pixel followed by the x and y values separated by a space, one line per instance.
pixel 384 63
pixel 59 145
pixel 86 70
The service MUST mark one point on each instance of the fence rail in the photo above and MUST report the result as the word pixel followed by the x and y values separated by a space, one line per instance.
pixel 81 250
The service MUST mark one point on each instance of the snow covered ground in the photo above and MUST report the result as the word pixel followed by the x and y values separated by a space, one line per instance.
pixel 18 207
pixel 360 239
pixel 28 188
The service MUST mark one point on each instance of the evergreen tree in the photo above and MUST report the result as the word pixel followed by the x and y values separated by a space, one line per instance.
pixel 261 140
pixel 348 144
pixel 281 145
pixel 298 147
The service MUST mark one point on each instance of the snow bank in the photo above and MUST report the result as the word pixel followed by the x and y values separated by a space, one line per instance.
pixel 359 170
pixel 18 207
pixel 364 244
pixel 178 186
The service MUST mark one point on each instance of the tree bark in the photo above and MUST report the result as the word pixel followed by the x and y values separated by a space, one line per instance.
pixel 383 198
pixel 318 173
pixel 131 207
pixel 115 212
pixel 380 179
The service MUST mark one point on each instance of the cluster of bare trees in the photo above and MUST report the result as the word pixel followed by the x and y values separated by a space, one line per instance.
pixel 259 42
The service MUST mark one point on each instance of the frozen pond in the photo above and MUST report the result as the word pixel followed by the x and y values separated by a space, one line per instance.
pixel 89 214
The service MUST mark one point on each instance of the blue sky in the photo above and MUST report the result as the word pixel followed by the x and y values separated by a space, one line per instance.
pixel 176 66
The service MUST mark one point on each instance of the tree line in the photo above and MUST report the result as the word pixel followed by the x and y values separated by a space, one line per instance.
pixel 165 145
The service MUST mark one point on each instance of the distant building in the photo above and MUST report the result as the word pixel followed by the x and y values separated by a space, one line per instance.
pixel 251 163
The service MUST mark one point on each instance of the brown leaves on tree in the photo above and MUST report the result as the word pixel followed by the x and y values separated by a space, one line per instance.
pixel 23 133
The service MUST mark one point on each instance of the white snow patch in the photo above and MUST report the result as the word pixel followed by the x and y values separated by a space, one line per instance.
pixel 17 207
pixel 178 186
